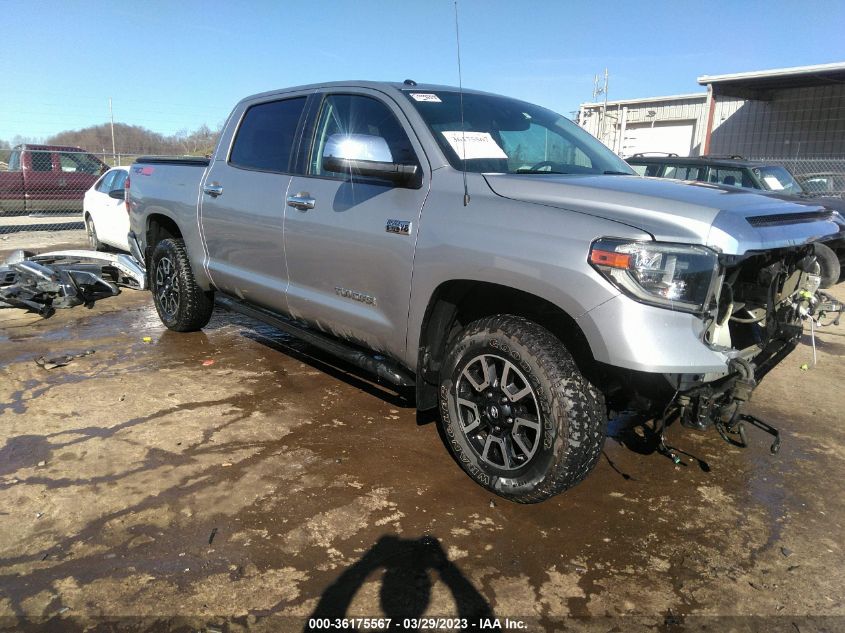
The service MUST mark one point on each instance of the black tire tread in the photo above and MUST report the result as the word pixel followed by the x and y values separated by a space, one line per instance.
pixel 830 266
pixel 585 411
pixel 196 304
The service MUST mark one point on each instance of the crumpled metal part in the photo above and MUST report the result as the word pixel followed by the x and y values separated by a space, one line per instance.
pixel 64 279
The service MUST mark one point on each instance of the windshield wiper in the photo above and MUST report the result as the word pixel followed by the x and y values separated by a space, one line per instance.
pixel 610 172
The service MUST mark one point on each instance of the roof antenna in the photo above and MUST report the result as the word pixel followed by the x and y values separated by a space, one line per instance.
pixel 461 92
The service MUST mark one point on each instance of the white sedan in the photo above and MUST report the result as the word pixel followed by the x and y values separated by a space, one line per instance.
pixel 104 211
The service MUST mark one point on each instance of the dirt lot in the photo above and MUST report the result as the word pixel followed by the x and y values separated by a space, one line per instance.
pixel 240 479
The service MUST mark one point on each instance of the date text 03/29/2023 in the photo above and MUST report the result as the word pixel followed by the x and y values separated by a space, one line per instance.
pixel 430 624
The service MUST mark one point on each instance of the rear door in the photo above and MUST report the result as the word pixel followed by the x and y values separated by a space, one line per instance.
pixel 242 202
pixel 350 256
pixel 77 171
pixel 43 182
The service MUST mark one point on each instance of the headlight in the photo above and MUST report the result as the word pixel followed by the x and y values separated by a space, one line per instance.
pixel 676 276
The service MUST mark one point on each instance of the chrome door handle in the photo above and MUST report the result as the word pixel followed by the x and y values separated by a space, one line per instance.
pixel 302 201
pixel 213 190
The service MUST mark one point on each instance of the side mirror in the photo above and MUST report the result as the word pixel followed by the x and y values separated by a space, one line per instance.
pixel 118 194
pixel 364 155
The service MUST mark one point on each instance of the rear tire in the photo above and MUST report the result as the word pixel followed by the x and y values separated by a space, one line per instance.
pixel 527 427
pixel 181 304
pixel 829 263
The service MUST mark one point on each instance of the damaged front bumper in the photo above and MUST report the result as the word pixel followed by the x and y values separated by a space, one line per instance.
pixel 64 279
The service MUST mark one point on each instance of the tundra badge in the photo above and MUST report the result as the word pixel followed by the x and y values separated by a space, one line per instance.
pixel 354 294
pixel 402 227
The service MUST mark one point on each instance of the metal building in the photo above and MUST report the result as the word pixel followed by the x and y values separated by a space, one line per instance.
pixel 784 113
pixel 657 124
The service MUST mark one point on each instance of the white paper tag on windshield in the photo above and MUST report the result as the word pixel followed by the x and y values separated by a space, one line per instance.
pixel 773 182
pixel 470 145
pixel 425 96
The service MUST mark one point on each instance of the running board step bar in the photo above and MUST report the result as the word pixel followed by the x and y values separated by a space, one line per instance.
pixel 378 365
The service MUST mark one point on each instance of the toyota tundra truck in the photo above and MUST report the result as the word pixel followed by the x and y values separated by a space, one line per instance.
pixel 488 254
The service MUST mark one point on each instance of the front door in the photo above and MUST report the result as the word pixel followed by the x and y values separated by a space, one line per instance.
pixel 350 255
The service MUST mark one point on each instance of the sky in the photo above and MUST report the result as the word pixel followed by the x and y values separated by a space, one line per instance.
pixel 170 66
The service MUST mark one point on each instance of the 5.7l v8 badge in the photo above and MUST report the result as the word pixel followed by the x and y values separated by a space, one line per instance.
pixel 402 227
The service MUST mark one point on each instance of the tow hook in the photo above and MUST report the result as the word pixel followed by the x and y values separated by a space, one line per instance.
pixel 734 432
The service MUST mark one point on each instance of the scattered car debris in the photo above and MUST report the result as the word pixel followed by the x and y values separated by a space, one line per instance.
pixel 60 361
pixel 64 279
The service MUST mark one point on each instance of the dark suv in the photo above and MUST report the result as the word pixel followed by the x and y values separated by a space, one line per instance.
pixel 736 171
pixel 733 171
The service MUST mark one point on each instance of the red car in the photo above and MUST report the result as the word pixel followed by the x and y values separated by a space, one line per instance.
pixel 47 178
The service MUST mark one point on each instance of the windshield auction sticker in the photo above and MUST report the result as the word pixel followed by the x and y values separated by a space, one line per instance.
pixel 470 145
pixel 425 96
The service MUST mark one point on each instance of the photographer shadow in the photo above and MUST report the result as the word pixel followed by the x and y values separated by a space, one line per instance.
pixel 406 584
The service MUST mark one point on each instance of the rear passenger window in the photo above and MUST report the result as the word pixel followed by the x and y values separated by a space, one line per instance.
pixel 41 161
pixel 265 137
pixel 729 177
pixel 682 172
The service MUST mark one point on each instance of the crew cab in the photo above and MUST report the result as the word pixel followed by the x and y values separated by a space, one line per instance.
pixel 43 178
pixel 488 254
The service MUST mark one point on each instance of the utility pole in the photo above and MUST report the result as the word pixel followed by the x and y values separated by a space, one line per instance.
pixel 113 146
pixel 597 90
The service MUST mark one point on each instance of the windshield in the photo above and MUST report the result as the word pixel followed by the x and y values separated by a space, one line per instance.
pixel 508 136
pixel 776 178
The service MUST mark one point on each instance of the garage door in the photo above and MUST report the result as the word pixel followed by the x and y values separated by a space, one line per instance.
pixel 667 136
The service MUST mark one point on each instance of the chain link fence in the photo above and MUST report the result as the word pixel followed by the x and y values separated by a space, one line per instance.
pixel 818 176
pixel 49 195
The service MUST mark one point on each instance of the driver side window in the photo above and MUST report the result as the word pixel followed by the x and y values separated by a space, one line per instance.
pixel 355 114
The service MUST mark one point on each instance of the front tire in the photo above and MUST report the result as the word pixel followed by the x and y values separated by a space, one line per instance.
pixel 517 414
pixel 91 231
pixel 181 304
pixel 829 264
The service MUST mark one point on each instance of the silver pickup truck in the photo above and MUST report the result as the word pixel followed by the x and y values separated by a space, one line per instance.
pixel 488 253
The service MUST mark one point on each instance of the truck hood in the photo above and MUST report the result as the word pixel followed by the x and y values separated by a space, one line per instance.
pixel 728 219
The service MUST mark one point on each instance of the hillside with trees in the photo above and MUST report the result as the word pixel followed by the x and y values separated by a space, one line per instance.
pixel 130 139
